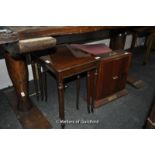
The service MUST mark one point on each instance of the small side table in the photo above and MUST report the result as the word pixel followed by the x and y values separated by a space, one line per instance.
pixel 65 62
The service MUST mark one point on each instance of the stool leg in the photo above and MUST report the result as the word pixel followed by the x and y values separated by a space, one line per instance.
pixel 147 54
pixel 40 82
pixel 77 91
pixel 45 83
pixel 60 86
pixel 35 77
pixel 94 91
pixel 134 39
pixel 88 92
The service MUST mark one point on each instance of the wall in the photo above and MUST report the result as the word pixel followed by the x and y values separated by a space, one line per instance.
pixel 4 77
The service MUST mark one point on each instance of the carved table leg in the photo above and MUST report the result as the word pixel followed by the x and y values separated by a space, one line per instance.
pixel 18 73
pixel 61 102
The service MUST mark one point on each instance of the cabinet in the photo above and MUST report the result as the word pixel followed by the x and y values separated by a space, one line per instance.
pixel 112 72
pixel 112 76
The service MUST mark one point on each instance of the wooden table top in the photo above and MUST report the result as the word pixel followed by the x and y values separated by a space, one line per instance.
pixel 64 58
pixel 10 34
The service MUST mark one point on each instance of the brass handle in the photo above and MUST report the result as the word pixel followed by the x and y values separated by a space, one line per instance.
pixel 115 77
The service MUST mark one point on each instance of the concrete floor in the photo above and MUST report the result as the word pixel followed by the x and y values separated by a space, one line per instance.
pixel 128 112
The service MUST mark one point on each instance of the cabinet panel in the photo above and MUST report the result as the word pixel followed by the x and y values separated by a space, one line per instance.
pixel 120 70
pixel 112 75
pixel 104 82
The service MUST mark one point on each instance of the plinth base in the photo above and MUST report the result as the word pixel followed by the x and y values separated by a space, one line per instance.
pixel 108 99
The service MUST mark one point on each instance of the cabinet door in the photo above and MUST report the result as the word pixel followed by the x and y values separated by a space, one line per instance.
pixel 104 81
pixel 120 70
pixel 112 76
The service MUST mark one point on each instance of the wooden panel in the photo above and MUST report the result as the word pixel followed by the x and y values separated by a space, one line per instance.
pixel 112 75
pixel 120 69
pixel 104 82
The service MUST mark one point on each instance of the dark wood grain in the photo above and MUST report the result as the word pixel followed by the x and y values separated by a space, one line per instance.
pixel 18 73
pixel 27 32
pixel 30 32
pixel 17 68
pixel 64 62
pixel 112 75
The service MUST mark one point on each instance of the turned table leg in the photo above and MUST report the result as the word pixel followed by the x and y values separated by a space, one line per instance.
pixel 94 90
pixel 18 72
pixel 77 91
pixel 61 103
pixel 88 92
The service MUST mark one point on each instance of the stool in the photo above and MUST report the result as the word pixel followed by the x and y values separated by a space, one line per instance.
pixel 112 72
pixel 140 32
pixel 63 63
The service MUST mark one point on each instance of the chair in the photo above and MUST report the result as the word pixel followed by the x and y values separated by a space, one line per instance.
pixel 64 62
pixel 139 32
pixel 150 44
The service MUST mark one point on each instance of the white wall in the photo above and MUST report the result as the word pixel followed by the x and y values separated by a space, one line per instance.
pixel 128 42
pixel 105 41
pixel 4 77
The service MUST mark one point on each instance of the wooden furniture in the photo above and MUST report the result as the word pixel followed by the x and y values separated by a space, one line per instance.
pixel 118 39
pixel 112 72
pixel 150 44
pixel 139 32
pixel 63 63
pixel 117 42
pixel 12 39
pixel 150 122
pixel 148 33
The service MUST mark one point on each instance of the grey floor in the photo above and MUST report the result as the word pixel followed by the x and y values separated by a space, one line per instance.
pixel 128 112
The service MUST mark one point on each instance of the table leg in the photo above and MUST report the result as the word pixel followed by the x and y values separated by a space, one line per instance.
pixel 134 39
pixel 88 91
pixel 147 53
pixel 36 78
pixel 117 41
pixel 18 72
pixel 45 83
pixel 94 90
pixel 41 82
pixel 61 102
pixel 77 91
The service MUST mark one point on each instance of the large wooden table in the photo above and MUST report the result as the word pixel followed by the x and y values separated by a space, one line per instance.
pixel 17 41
